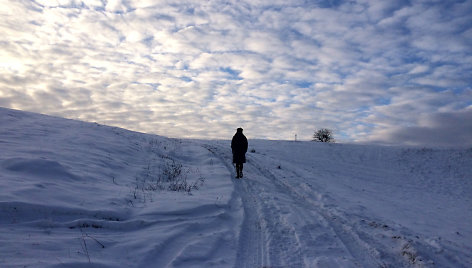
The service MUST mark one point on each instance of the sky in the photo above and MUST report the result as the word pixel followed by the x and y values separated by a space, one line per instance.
pixel 390 72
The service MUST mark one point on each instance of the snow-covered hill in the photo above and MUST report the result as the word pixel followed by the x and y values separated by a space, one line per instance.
pixel 76 194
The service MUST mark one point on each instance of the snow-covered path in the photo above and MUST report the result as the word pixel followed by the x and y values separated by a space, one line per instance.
pixel 301 232
pixel 292 222
pixel 287 227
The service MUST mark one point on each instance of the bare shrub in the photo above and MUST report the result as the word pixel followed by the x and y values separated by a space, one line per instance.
pixel 165 174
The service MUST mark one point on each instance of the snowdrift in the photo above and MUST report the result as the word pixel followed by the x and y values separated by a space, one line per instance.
pixel 75 194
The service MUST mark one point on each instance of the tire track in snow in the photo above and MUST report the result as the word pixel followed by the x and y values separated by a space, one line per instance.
pixel 317 244
pixel 363 254
pixel 252 251
pixel 265 209
pixel 266 239
pixel 292 228
pixel 276 214
pixel 284 247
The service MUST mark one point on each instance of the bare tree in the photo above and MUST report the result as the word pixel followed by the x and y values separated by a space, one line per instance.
pixel 323 135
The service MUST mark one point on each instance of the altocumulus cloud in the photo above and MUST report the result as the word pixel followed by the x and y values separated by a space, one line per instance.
pixel 395 72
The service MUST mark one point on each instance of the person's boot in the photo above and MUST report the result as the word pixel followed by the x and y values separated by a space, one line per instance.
pixel 237 172
pixel 240 171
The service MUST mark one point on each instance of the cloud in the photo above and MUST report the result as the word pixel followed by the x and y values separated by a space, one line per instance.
pixel 439 129
pixel 366 69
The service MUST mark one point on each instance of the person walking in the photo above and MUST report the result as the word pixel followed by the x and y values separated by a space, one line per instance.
pixel 239 148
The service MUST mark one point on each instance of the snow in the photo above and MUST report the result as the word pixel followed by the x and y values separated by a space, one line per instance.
pixel 77 194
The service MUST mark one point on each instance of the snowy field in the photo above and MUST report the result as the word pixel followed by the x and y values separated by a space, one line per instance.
pixel 76 194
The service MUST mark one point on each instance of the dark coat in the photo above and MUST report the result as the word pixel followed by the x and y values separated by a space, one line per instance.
pixel 239 147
